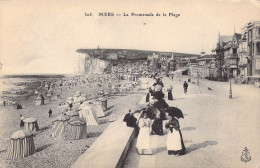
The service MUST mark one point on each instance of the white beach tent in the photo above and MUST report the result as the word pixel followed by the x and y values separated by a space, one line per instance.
pixel 97 108
pixel 88 115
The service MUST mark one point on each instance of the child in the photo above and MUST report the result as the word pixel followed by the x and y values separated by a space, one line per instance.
pixel 175 145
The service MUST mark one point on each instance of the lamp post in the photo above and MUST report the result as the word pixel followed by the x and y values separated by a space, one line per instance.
pixel 230 88
pixel 198 83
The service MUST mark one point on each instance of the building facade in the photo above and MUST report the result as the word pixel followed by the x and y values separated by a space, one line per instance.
pixel 203 66
pixel 252 31
pixel 221 73
pixel 193 67
pixel 243 57
pixel 231 55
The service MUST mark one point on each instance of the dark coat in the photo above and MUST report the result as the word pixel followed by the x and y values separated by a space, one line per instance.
pixel 130 120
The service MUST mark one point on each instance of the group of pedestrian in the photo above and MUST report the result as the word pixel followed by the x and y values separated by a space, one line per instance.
pixel 151 123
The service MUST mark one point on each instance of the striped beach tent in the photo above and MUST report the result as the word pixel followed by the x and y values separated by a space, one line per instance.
pixel 87 114
pixel 21 145
pixel 31 124
pixel 59 126
pixel 76 129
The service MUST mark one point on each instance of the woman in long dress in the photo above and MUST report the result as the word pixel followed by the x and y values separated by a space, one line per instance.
pixel 175 145
pixel 143 144
pixel 157 126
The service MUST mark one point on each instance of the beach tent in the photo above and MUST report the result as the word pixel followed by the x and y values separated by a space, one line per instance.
pixel 101 92
pixel 21 145
pixel 122 89
pixel 129 87
pixel 103 103
pixel 88 115
pixel 38 101
pixel 83 97
pixel 115 90
pixel 30 124
pixel 76 99
pixel 97 108
pixel 62 108
pixel 78 93
pixel 59 126
pixel 76 129
pixel 107 93
pixel 70 100
pixel 72 114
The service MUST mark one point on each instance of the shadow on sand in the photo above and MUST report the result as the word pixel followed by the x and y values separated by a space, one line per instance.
pixel 159 150
pixel 109 108
pixel 108 113
pixel 195 147
pixel 93 134
pixel 178 98
pixel 44 128
pixel 188 128
pixel 42 147
pixel 3 151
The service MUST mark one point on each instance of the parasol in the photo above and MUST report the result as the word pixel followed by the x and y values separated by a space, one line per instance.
pixel 139 108
pixel 174 111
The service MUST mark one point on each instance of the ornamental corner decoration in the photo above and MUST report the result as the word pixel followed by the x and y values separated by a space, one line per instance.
pixel 245 155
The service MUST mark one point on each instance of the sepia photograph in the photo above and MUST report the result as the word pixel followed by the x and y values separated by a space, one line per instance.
pixel 130 84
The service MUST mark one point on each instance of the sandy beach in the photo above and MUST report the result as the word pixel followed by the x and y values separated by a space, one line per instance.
pixel 52 152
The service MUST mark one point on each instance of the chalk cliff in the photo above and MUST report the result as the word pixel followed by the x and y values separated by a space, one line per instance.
pixel 95 65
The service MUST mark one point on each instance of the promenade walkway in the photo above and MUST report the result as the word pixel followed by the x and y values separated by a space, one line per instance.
pixel 215 129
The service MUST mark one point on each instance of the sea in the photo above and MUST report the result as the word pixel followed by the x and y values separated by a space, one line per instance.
pixel 20 85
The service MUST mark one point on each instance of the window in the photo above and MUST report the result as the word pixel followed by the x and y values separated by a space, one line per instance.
pixel 258 48
pixel 257 64
pixel 233 62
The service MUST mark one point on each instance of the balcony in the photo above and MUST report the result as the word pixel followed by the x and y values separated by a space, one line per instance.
pixel 233 56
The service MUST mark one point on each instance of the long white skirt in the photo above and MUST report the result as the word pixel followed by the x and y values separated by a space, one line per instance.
pixel 143 144
pixel 174 141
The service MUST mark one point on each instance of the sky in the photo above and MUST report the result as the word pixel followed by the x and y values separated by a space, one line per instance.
pixel 43 36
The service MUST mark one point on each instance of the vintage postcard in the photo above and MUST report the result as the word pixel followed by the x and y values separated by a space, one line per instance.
pixel 131 84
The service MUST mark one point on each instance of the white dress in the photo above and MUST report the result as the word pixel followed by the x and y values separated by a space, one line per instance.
pixel 174 141
pixel 143 144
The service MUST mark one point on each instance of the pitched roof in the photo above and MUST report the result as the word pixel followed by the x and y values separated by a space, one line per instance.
pixel 225 38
